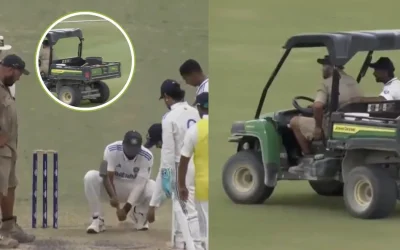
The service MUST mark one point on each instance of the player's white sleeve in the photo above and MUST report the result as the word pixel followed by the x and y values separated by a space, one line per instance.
pixel 109 157
pixel 168 147
pixel 189 142
pixel 158 196
pixel 150 166
pixel 391 92
pixel 206 87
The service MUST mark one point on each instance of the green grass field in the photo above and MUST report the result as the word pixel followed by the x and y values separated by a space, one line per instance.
pixel 245 44
pixel 101 39
pixel 162 42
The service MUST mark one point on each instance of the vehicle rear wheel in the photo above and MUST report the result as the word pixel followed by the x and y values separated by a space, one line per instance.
pixel 70 95
pixel 327 188
pixel 243 178
pixel 104 92
pixel 370 193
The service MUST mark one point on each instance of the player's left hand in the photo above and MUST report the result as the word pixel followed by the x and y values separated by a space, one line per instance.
pixel 121 214
pixel 151 215
pixel 183 193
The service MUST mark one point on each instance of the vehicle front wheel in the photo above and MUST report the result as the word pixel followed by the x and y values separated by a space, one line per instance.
pixel 370 193
pixel 70 95
pixel 104 91
pixel 327 188
pixel 243 178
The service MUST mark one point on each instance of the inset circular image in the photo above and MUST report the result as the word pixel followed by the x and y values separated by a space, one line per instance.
pixel 85 61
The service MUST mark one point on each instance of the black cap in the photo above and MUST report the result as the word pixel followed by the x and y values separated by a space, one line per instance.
pixel 133 139
pixel 383 63
pixel 14 61
pixel 171 88
pixel 324 61
pixel 154 135
pixel 202 100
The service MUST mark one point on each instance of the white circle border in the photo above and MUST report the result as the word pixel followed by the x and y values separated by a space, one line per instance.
pixel 131 50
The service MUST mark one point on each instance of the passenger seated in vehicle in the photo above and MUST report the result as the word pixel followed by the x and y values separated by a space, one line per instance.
pixel 307 129
pixel 384 73
pixel 44 58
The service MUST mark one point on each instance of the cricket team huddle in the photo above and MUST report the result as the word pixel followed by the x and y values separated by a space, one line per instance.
pixel 124 176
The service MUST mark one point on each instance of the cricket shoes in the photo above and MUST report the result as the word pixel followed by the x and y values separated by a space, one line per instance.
pixel 96 227
pixel 139 220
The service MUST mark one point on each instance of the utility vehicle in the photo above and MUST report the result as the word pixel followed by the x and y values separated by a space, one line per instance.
pixel 75 79
pixel 360 157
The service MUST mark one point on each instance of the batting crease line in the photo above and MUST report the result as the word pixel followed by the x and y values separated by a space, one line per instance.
pixel 84 21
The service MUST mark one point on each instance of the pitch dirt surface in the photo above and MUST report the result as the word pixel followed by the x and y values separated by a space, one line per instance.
pixel 162 42
pixel 245 45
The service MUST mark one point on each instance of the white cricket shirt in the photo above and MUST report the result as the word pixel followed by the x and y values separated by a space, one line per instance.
pixel 174 126
pixel 391 90
pixel 202 88
pixel 125 169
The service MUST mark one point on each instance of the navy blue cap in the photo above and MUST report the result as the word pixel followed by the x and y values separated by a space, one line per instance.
pixel 383 63
pixel 133 139
pixel 154 135
pixel 170 88
pixel 202 100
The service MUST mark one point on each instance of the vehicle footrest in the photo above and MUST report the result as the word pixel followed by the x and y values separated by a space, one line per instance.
pixel 325 167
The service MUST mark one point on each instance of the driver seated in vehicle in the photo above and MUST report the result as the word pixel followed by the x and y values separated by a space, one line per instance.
pixel 383 73
pixel 307 129
pixel 44 58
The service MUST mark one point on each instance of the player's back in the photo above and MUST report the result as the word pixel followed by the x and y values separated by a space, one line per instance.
pixel 181 116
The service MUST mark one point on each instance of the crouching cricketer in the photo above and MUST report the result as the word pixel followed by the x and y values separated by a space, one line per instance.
pixel 196 144
pixel 125 176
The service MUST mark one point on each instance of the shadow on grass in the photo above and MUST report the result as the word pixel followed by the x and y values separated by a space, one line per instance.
pixel 310 202
pixel 307 201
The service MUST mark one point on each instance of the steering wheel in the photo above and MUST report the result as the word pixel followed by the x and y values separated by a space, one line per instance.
pixel 305 111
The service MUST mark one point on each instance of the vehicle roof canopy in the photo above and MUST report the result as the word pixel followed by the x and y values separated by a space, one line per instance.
pixel 56 34
pixel 342 46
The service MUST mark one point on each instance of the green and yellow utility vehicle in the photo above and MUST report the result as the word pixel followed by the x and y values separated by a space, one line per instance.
pixel 360 157
pixel 75 79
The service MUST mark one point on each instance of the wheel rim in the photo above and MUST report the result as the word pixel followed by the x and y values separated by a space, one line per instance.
pixel 363 193
pixel 66 97
pixel 243 179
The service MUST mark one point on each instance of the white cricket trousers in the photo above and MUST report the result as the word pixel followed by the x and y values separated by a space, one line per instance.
pixel 202 210
pixel 96 193
pixel 185 221
pixel 186 214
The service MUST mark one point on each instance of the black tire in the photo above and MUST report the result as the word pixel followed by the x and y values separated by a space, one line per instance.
pixel 70 95
pixel 383 193
pixel 104 92
pixel 327 188
pixel 251 164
